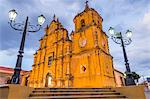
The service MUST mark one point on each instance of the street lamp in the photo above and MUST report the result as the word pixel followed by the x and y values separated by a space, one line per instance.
pixel 24 27
pixel 119 39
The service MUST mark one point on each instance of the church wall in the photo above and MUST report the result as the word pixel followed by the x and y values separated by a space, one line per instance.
pixel 89 77
pixel 107 70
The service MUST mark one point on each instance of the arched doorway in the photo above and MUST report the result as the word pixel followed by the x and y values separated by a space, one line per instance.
pixel 48 80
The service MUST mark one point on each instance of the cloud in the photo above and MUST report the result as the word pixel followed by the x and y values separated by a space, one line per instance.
pixel 8 58
pixel 145 23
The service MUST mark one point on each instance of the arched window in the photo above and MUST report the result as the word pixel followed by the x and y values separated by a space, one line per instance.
pixel 82 22
pixel 98 22
pixel 104 44
pixel 50 59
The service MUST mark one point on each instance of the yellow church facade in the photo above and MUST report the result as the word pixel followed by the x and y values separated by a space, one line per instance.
pixel 81 59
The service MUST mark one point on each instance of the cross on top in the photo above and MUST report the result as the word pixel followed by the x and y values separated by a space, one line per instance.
pixel 86 2
pixel 54 17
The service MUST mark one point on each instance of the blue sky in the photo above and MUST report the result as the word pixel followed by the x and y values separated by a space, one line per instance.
pixel 120 14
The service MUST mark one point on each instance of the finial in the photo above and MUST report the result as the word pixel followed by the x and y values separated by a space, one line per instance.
pixel 86 4
pixel 72 32
pixel 57 20
pixel 54 17
pixel 46 30
pixel 47 27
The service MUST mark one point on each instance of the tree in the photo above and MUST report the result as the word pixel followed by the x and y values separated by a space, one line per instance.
pixel 136 76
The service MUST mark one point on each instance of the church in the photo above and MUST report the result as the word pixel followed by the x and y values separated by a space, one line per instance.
pixel 77 59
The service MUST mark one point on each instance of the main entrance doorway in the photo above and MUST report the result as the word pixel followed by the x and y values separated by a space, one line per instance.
pixel 48 80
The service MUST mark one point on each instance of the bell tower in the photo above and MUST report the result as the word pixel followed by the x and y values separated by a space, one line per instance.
pixel 92 63
pixel 86 18
pixel 88 30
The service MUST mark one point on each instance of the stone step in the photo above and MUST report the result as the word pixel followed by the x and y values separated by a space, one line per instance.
pixel 71 90
pixel 75 93
pixel 80 96
pixel 72 93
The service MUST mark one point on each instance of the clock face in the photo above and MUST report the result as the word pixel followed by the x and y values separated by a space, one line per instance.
pixel 82 42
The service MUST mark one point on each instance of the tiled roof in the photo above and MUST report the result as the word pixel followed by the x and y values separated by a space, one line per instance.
pixel 5 69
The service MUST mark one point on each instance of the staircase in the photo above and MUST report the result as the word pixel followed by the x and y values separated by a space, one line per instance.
pixel 75 93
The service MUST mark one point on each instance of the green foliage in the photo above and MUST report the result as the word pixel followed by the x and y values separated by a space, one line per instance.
pixel 135 76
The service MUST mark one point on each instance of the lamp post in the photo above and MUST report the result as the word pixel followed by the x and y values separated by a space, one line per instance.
pixel 24 27
pixel 118 38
